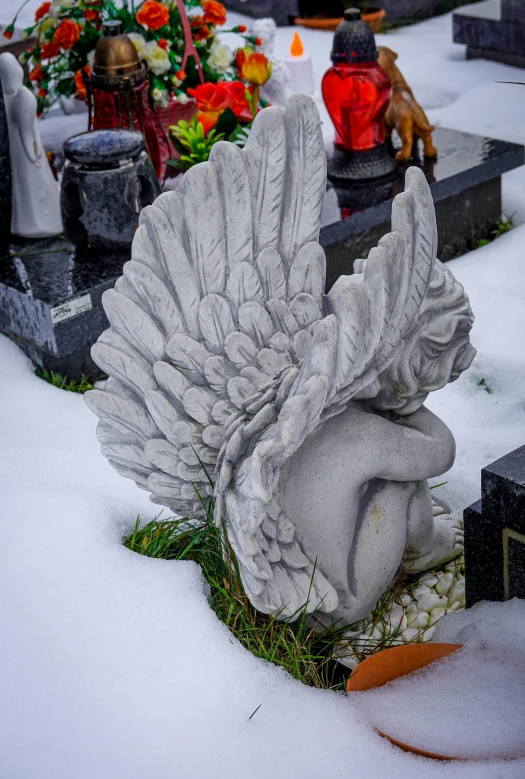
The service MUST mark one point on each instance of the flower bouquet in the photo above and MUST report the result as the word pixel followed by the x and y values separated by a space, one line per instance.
pixel 67 32
pixel 225 110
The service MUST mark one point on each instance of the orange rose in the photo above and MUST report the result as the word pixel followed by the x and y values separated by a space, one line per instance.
pixel 214 99
pixel 48 51
pixel 37 74
pixel 66 34
pixel 255 68
pixel 41 11
pixel 153 15
pixel 81 91
pixel 214 13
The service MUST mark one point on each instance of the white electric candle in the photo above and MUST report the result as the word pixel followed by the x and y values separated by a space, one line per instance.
pixel 299 65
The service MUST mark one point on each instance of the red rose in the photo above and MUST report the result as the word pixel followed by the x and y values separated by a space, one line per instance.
pixel 163 43
pixel 92 15
pixel 153 15
pixel 66 34
pixel 48 51
pixel 214 13
pixel 41 11
pixel 214 99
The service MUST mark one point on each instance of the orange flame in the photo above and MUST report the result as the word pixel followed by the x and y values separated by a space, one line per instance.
pixel 297 48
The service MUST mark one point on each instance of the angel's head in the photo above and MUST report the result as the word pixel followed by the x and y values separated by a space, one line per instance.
pixel 437 350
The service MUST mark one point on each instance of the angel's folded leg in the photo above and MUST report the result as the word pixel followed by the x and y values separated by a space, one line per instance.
pixel 433 536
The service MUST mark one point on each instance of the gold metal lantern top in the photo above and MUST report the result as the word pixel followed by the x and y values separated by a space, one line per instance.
pixel 116 64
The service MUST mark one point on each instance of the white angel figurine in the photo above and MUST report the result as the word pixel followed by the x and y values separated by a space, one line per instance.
pixel 275 89
pixel 225 354
pixel 35 192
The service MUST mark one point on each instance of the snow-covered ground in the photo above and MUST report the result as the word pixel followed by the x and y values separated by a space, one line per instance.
pixel 113 665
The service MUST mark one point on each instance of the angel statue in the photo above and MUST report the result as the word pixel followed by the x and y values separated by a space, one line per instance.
pixel 225 356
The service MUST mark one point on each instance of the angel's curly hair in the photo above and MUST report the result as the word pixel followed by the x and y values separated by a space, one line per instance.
pixel 437 350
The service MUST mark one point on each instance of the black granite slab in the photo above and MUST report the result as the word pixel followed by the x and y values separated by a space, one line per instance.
pixel 492 32
pixel 465 181
pixel 50 302
pixel 282 11
pixel 5 179
pixel 50 297
pixel 495 533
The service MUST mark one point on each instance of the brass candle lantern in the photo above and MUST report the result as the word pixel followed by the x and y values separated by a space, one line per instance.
pixel 118 94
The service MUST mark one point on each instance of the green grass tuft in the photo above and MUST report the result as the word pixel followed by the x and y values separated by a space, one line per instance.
pixel 505 224
pixel 303 647
pixel 62 382
pixel 299 647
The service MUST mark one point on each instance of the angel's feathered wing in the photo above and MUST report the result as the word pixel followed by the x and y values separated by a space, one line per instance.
pixel 224 352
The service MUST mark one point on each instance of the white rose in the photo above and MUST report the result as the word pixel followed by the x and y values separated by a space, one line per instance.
pixel 220 57
pixel 160 96
pixel 157 59
pixel 54 10
pixel 139 42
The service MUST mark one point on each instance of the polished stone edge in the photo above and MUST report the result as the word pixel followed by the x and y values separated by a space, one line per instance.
pixel 491 524
pixel 512 157
pixel 480 33
pixel 29 322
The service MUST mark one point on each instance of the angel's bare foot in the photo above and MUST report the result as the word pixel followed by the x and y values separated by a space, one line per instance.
pixel 447 544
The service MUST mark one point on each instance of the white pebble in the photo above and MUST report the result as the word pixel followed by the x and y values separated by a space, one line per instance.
pixel 430 601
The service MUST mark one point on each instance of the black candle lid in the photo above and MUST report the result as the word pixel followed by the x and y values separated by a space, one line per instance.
pixel 353 40
pixel 102 148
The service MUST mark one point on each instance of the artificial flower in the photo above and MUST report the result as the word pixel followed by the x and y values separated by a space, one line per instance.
pixel 8 32
pixel 160 96
pixel 92 14
pixel 220 57
pixel 49 50
pixel 214 99
pixel 57 6
pixel 164 44
pixel 81 91
pixel 66 34
pixel 199 30
pixel 42 93
pixel 42 11
pixel 254 67
pixel 240 28
pixel 214 13
pixel 37 74
pixel 157 59
pixel 153 15
pixel 178 78
pixel 139 41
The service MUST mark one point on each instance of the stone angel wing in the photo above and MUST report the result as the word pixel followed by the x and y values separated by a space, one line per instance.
pixel 224 353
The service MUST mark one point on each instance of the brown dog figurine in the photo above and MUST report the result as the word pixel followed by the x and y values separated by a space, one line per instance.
pixel 404 113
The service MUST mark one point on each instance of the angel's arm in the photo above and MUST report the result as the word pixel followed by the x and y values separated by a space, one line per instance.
pixel 419 446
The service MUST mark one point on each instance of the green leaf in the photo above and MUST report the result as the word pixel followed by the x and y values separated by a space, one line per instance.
pixel 227 122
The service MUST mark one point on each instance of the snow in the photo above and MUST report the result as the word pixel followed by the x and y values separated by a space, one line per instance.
pixel 113 665
pixel 469 704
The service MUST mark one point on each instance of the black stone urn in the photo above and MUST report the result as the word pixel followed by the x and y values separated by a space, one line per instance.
pixel 108 179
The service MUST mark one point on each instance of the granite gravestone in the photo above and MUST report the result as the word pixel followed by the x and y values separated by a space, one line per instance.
pixel 282 11
pixel 5 179
pixel 495 533
pixel 493 30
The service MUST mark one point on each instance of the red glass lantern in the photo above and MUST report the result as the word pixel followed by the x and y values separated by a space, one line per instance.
pixel 119 97
pixel 357 92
